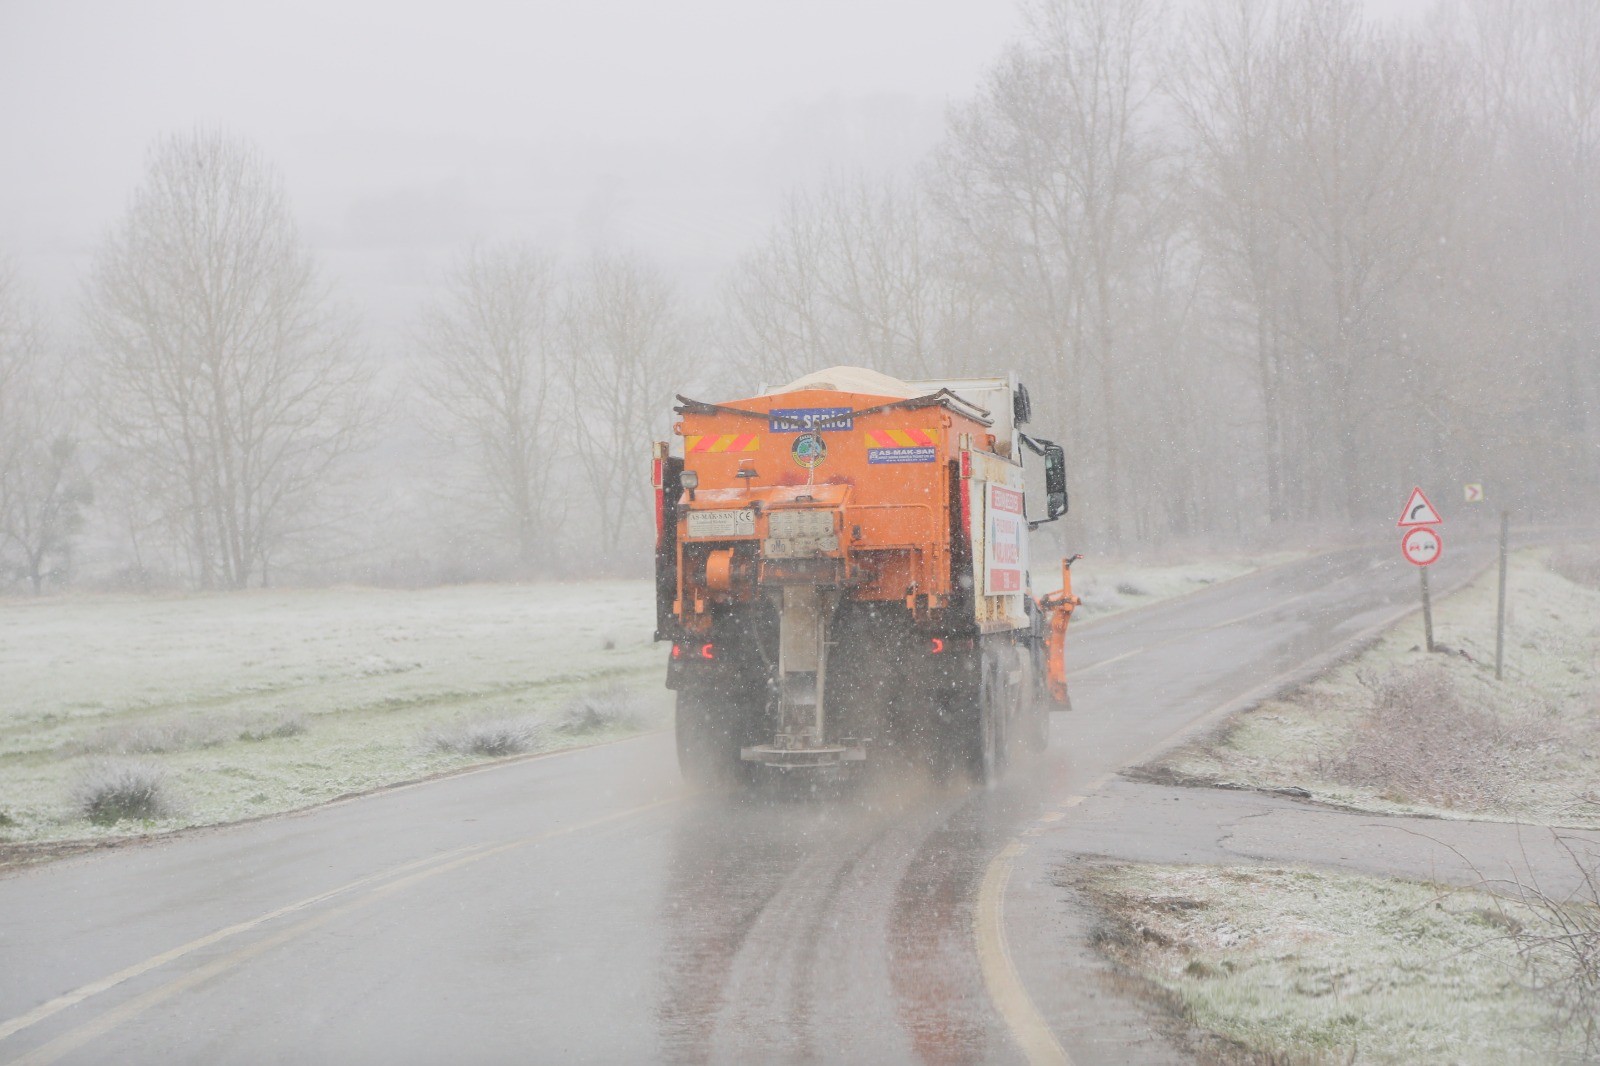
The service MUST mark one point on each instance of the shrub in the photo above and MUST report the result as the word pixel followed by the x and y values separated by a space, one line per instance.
pixel 1419 742
pixel 597 710
pixel 492 737
pixel 1557 939
pixel 110 790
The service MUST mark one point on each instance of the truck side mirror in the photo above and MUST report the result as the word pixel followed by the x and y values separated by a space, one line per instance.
pixel 1055 480
pixel 1021 405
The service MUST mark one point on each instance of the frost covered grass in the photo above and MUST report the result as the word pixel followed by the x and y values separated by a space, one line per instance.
pixel 1401 731
pixel 261 702
pixel 1295 966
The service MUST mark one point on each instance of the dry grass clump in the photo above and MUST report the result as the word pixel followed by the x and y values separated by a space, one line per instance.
pixel 1421 743
pixel 154 738
pixel 274 728
pixel 598 710
pixel 190 733
pixel 492 737
pixel 1579 564
pixel 110 790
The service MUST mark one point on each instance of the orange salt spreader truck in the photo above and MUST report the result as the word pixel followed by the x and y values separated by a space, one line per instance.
pixel 842 568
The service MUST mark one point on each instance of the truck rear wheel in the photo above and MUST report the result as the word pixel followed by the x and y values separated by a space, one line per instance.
pixel 985 733
pixel 711 729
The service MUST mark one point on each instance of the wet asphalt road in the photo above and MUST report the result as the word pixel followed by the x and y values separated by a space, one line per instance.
pixel 588 907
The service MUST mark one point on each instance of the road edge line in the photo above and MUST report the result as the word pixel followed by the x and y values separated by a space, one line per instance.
pixel 1000 977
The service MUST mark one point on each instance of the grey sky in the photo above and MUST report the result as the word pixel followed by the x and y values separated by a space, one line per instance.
pixel 405 128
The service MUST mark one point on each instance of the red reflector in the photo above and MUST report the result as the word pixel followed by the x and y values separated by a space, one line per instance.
pixel 655 473
pixel 677 651
pixel 966 463
pixel 936 645
pixel 708 651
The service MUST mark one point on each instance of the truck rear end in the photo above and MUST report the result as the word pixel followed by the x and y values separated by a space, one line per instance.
pixel 842 568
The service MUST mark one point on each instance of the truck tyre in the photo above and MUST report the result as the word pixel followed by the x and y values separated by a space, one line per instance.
pixel 709 728
pixel 986 724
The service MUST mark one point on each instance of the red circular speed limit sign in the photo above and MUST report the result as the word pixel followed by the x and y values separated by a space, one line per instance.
pixel 1421 546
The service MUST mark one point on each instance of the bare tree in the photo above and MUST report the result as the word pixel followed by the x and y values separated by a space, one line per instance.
pixel 1220 80
pixel 848 274
pixel 221 367
pixel 43 487
pixel 18 350
pixel 1046 179
pixel 492 348
pixel 1571 95
pixel 1372 134
pixel 627 351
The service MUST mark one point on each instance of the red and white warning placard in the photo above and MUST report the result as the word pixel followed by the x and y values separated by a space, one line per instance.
pixel 1005 543
pixel 1421 546
pixel 1418 511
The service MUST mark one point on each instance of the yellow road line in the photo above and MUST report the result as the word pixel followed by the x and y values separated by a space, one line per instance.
pixel 1000 975
pixel 422 870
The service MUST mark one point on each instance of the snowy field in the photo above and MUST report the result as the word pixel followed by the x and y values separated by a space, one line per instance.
pixel 247 704
pixel 266 701
pixel 1397 730
pixel 1300 966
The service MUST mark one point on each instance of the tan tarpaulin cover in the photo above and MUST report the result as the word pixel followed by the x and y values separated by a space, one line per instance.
pixel 857 379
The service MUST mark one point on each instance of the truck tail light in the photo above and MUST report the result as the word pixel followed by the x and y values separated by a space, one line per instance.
pixel 658 466
pixel 677 651
pixel 661 511
pixel 708 651
pixel 936 646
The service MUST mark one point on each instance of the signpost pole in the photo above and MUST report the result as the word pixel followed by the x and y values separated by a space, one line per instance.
pixel 1500 610
pixel 1422 547
pixel 1427 611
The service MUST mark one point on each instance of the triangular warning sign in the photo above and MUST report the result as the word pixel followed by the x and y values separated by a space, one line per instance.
pixel 1418 511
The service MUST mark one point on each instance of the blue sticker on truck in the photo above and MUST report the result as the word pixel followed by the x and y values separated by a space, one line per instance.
pixel 901 455
pixel 805 419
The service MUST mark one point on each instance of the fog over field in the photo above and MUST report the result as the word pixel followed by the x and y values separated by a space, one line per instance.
pixel 1263 264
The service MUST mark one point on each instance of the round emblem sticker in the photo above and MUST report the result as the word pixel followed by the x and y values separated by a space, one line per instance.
pixel 808 450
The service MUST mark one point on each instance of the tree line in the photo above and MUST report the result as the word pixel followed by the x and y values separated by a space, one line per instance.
pixel 1263 265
